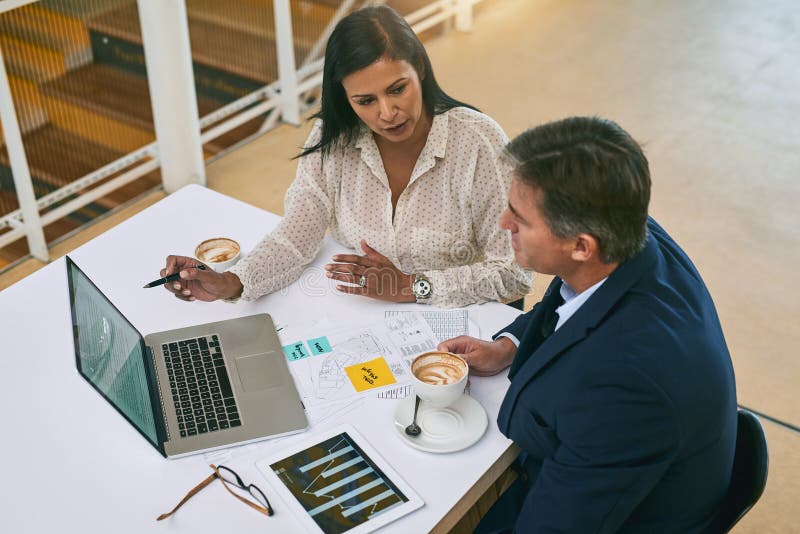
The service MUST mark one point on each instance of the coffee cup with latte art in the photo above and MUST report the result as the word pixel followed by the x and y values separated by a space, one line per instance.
pixel 439 377
pixel 219 253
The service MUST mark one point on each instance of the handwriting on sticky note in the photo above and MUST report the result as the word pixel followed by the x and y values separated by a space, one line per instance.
pixel 296 351
pixel 319 345
pixel 372 374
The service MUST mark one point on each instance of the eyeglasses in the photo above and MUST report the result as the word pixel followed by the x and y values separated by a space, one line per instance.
pixel 228 476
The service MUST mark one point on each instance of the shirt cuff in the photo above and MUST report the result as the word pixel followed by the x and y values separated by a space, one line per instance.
pixel 442 295
pixel 510 336
pixel 238 273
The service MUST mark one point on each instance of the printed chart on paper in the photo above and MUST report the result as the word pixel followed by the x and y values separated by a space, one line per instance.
pixel 445 324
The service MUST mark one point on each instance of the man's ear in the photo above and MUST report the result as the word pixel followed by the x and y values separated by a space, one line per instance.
pixel 585 247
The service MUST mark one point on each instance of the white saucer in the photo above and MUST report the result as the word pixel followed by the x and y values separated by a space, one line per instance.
pixel 443 429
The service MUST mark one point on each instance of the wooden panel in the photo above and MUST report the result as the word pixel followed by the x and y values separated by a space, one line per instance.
pixel 309 17
pixel 31 113
pixel 84 9
pixel 107 105
pixel 31 61
pixel 58 157
pixel 96 127
pixel 106 91
pixel 112 107
pixel 227 38
pixel 52 30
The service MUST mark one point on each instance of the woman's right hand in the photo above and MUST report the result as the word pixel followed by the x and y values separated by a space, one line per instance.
pixel 197 284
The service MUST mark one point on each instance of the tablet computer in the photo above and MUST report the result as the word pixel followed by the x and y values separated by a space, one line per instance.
pixel 336 482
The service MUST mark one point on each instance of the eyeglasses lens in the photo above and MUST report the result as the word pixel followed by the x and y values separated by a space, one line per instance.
pixel 231 477
pixel 258 496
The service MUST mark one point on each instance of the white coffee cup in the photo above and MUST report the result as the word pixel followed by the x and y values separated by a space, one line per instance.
pixel 219 253
pixel 439 377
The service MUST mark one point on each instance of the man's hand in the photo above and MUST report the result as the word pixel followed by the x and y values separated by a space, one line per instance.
pixel 485 358
pixel 382 280
pixel 196 284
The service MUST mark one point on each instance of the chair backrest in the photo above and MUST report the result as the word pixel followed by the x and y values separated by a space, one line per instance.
pixel 749 477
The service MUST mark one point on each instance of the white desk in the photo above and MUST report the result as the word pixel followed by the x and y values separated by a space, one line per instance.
pixel 72 463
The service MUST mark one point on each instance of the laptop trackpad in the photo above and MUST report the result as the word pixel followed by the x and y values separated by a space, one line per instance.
pixel 257 371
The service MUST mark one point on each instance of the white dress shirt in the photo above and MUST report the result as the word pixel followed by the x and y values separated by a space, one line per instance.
pixel 445 225
pixel 572 302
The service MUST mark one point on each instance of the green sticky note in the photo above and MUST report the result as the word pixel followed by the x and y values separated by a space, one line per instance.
pixel 319 345
pixel 296 351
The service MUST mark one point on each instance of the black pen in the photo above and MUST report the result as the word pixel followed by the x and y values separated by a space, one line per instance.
pixel 171 278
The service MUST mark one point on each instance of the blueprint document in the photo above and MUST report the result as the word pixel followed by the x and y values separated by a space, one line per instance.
pixel 318 356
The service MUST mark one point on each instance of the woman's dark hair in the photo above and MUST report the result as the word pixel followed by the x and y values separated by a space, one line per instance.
pixel 359 40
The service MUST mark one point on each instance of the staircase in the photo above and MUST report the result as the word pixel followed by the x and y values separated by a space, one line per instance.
pixel 78 78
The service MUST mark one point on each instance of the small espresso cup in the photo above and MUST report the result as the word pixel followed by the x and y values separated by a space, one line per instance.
pixel 439 377
pixel 219 253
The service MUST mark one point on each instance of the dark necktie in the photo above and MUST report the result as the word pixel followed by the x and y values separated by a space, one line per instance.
pixel 550 319
pixel 548 325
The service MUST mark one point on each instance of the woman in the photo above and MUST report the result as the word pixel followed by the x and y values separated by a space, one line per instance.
pixel 395 168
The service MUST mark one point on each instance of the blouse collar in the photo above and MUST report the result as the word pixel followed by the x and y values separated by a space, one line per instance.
pixel 435 147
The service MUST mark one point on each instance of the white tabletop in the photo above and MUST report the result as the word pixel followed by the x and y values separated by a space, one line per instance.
pixel 72 462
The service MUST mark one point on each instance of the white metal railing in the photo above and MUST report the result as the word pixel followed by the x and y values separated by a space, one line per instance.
pixel 285 97
pixel 29 223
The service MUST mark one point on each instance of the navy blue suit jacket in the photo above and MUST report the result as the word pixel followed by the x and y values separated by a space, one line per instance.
pixel 627 413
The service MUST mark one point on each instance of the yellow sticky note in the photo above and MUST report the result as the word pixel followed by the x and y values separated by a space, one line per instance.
pixel 372 374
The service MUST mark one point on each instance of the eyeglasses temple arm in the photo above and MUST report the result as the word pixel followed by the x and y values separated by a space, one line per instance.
pixel 189 495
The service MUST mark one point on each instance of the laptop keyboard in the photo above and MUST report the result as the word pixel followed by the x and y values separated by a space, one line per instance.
pixel 201 389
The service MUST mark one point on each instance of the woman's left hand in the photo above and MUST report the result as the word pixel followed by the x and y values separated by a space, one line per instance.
pixel 373 274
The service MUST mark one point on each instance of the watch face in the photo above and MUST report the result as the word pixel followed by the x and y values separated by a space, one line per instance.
pixel 422 288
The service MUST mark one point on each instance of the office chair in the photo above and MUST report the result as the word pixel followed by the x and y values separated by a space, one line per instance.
pixel 750 466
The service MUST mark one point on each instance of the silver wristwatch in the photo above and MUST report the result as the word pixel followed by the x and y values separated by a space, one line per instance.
pixel 421 287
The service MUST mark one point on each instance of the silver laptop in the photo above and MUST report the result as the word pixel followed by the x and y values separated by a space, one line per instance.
pixel 188 390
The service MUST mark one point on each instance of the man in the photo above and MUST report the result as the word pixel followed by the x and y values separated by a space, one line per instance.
pixel 626 413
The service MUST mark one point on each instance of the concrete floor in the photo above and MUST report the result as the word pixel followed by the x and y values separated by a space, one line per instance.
pixel 711 89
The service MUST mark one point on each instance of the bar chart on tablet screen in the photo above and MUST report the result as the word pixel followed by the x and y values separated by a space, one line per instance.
pixel 337 484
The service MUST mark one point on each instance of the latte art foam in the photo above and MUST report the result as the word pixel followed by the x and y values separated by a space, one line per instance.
pixel 439 373
pixel 439 368
pixel 219 254
pixel 217 250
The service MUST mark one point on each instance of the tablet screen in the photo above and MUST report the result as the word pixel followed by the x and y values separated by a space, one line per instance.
pixel 338 484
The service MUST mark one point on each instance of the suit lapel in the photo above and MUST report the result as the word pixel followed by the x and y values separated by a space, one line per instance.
pixel 576 328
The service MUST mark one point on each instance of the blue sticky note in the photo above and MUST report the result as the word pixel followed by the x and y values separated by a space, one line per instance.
pixel 319 345
pixel 296 351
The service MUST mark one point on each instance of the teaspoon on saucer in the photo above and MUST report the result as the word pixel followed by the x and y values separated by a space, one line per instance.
pixel 413 429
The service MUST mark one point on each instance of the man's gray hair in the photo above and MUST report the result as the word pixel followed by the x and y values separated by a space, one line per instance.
pixel 594 179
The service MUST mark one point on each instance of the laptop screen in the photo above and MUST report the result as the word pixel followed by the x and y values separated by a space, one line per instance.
pixel 110 352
